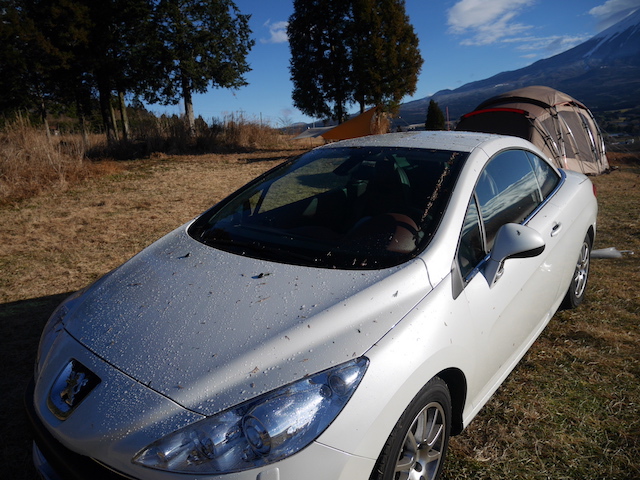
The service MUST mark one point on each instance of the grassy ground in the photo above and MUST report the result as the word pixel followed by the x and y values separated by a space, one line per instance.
pixel 569 410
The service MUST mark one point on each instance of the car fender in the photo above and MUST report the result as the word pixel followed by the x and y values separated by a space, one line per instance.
pixel 432 337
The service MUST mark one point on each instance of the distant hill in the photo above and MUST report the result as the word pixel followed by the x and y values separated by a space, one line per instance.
pixel 603 73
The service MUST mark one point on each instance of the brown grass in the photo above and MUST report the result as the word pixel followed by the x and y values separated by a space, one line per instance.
pixel 32 162
pixel 71 237
pixel 570 410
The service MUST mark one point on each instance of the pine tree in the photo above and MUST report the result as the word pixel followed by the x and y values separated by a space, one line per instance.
pixel 204 43
pixel 362 51
pixel 108 54
pixel 320 58
pixel 16 33
pixel 386 57
pixel 435 118
pixel 66 50
pixel 41 40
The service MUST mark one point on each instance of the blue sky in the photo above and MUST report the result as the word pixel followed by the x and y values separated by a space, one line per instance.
pixel 460 40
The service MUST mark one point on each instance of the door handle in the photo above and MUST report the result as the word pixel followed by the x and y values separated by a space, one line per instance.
pixel 555 230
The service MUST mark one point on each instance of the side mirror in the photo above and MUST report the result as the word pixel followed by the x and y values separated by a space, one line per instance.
pixel 512 241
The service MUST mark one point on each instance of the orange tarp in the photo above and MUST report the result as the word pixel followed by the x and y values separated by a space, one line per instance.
pixel 359 126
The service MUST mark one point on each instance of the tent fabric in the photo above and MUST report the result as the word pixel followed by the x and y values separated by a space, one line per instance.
pixel 371 122
pixel 359 126
pixel 562 127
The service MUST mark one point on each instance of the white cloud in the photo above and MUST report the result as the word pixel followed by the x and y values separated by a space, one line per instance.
pixel 612 11
pixel 546 46
pixel 277 32
pixel 484 22
pixel 559 44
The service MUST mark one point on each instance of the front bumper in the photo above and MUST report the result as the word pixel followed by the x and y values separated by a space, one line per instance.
pixel 54 461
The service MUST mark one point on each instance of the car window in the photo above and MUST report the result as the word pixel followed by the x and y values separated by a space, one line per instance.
pixel 471 249
pixel 507 191
pixel 309 181
pixel 547 177
pixel 339 207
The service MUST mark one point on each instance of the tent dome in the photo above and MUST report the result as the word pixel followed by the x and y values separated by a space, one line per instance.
pixel 562 127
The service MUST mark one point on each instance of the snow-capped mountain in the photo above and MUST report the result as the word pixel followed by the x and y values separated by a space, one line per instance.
pixel 603 73
pixel 619 41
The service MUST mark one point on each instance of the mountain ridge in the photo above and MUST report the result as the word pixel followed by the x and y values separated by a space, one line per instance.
pixel 602 72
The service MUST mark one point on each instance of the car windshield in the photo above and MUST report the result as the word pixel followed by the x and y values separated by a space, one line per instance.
pixel 339 207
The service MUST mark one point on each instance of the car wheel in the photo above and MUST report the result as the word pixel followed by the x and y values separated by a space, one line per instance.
pixel 578 287
pixel 418 443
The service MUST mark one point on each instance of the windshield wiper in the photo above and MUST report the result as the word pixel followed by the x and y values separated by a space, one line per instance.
pixel 254 248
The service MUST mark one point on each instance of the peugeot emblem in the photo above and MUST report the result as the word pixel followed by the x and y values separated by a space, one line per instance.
pixel 71 387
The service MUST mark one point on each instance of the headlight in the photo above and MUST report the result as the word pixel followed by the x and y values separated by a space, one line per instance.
pixel 260 431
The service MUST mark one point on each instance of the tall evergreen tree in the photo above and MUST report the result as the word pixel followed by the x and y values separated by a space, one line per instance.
pixel 205 43
pixel 320 57
pixel 435 118
pixel 41 43
pixel 120 58
pixel 386 57
pixel 163 50
pixel 70 49
pixel 16 30
pixel 342 52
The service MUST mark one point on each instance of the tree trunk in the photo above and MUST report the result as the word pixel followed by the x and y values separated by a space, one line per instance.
pixel 43 116
pixel 83 126
pixel 112 112
pixel 188 107
pixel 106 110
pixel 124 118
pixel 340 109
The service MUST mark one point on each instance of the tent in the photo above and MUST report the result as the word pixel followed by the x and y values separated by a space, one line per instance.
pixel 559 125
pixel 371 122
pixel 359 126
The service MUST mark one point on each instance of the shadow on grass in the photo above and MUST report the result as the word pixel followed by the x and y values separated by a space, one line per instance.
pixel 20 326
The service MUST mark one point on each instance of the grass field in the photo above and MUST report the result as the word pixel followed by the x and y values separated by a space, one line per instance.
pixel 570 410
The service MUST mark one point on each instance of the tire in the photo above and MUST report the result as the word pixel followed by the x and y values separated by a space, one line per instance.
pixel 417 446
pixel 578 286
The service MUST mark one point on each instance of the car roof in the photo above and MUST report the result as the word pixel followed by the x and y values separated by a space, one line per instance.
pixel 438 140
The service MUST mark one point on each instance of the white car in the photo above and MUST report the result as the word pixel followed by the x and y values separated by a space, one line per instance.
pixel 337 318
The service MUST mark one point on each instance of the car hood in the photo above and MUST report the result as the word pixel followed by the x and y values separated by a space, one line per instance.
pixel 209 329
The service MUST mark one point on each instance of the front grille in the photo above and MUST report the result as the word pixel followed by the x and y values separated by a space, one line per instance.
pixel 66 463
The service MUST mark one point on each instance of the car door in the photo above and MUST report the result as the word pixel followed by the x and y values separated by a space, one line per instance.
pixel 508 315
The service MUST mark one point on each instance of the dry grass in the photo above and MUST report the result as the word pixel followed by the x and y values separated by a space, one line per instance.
pixel 32 162
pixel 570 410
pixel 59 241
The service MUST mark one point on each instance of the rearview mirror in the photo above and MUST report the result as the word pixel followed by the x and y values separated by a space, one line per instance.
pixel 512 241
